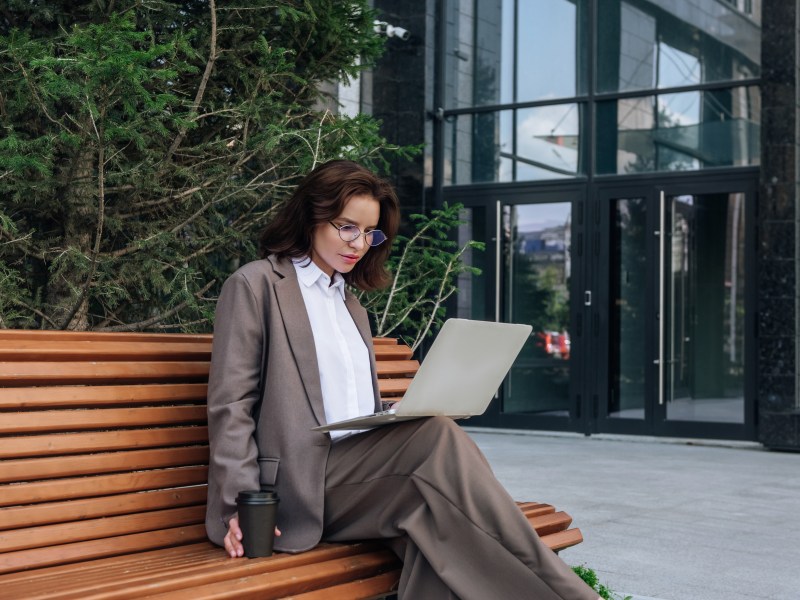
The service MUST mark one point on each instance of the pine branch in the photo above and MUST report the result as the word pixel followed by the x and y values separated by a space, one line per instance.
pixel 101 176
pixel 212 57
pixel 158 318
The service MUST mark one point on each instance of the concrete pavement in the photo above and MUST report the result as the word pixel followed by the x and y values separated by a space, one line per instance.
pixel 665 519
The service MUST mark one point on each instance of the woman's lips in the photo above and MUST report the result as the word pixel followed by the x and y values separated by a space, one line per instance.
pixel 350 259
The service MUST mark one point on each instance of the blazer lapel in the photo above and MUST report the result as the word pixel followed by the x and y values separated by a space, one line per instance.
pixel 298 331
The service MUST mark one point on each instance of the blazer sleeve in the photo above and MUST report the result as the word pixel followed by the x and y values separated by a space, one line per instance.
pixel 233 393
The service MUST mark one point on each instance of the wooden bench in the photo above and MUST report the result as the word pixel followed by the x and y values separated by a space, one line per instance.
pixel 103 466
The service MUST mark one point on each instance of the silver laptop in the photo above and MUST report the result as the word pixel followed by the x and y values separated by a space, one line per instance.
pixel 459 376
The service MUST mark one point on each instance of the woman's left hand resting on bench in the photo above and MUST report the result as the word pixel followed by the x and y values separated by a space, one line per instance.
pixel 233 539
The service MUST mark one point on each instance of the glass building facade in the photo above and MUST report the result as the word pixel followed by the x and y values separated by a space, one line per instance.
pixel 626 164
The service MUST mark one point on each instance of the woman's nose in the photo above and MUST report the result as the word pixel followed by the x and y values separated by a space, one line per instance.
pixel 358 243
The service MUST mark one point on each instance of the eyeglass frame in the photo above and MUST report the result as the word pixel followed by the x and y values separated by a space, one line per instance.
pixel 360 233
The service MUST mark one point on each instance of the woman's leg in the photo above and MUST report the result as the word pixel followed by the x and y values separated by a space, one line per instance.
pixel 426 482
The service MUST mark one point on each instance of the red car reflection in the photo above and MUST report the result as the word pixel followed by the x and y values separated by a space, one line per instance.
pixel 554 343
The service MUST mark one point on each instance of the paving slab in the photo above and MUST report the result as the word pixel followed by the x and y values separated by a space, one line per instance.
pixel 665 519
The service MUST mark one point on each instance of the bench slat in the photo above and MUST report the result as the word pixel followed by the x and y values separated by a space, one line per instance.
pixel 45 350
pixel 34 469
pixel 99 485
pixel 116 336
pixel 94 508
pixel 106 418
pixel 65 533
pixel 389 387
pixel 363 589
pixel 287 581
pixel 163 570
pixel 100 441
pixel 86 396
pixel 384 353
pixel 42 373
pixel 114 546
pixel 547 524
pixel 397 367
pixel 563 539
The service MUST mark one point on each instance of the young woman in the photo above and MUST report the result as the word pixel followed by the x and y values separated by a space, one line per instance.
pixel 292 350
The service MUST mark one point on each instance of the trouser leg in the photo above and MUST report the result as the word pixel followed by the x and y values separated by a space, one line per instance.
pixel 426 480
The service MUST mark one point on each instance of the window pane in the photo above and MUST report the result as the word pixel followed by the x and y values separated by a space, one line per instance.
pixel 679 132
pixel 550 49
pixel 658 44
pixel 538 267
pixel 528 144
pixel 548 142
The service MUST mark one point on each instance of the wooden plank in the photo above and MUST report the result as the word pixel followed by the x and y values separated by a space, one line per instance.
pixel 34 469
pixel 394 352
pixel 383 341
pixel 63 373
pixel 59 350
pixel 9 335
pixel 163 570
pixel 93 508
pixel 115 546
pixel 389 387
pixel 284 582
pixel 101 395
pixel 95 529
pixel 99 441
pixel 104 418
pixel 397 367
pixel 362 589
pixel 99 485
pixel 547 524
pixel 563 539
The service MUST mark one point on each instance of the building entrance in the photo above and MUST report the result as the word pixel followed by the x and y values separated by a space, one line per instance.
pixel 640 302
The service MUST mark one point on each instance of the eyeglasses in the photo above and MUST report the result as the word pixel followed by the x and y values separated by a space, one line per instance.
pixel 350 233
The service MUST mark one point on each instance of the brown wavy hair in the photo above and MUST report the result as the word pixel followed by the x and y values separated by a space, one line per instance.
pixel 320 197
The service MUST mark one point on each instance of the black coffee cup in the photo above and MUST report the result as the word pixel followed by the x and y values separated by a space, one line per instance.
pixel 257 515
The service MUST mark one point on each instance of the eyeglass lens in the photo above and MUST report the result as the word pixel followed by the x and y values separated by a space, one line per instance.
pixel 350 232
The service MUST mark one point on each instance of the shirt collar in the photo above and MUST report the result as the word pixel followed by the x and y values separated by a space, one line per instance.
pixel 309 274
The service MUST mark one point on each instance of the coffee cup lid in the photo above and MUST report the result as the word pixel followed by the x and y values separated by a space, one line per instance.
pixel 256 496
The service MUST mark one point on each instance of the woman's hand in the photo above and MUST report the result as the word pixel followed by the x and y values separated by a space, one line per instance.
pixel 233 539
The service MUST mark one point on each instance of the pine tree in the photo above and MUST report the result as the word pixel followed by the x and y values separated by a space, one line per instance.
pixel 144 143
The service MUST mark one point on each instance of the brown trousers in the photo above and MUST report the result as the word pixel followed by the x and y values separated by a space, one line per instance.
pixel 426 488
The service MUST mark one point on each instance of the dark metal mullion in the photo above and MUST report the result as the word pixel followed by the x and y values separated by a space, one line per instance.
pixel 438 156
pixel 514 86
pixel 605 96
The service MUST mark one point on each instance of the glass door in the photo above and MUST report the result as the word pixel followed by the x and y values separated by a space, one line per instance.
pixel 673 276
pixel 530 273
pixel 702 330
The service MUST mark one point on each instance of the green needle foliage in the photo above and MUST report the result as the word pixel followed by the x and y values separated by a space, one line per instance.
pixel 143 144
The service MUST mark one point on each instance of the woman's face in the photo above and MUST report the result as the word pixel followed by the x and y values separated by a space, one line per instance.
pixel 329 252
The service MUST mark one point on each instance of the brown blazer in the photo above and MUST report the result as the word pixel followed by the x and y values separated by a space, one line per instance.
pixel 264 396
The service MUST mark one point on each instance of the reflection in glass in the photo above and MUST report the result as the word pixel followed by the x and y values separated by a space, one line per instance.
pixel 473 287
pixel 627 359
pixel 537 275
pixel 679 132
pixel 549 55
pixel 523 145
pixel 655 45
pixel 705 308
pixel 548 142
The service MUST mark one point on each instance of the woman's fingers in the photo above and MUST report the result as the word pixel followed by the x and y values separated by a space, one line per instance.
pixel 233 539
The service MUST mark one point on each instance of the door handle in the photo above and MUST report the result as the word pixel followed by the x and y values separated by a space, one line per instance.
pixel 662 236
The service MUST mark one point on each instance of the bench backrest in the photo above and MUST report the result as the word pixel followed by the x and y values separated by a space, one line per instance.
pixel 104 444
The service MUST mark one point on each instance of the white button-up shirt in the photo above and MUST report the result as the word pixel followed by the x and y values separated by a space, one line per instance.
pixel 343 358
